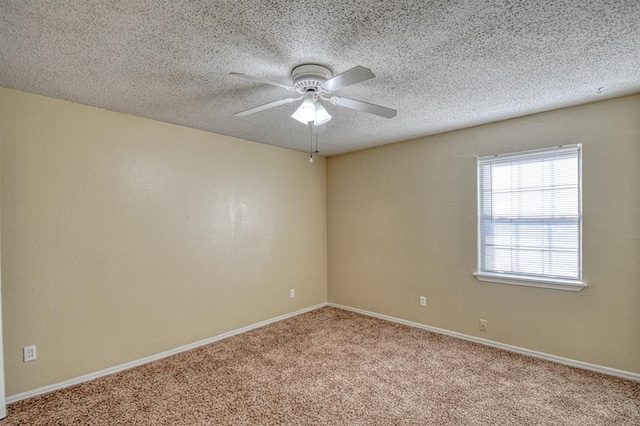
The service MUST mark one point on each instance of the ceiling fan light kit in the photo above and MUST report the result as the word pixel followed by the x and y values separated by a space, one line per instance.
pixel 311 110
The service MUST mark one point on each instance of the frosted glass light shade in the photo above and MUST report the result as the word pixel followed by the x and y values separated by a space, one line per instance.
pixel 311 111
pixel 306 112
pixel 322 116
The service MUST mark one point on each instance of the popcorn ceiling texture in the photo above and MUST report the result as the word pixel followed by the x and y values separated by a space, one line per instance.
pixel 443 65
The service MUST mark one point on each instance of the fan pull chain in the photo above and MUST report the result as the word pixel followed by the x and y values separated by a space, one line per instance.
pixel 311 143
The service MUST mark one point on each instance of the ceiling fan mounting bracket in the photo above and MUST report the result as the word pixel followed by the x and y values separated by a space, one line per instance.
pixel 307 78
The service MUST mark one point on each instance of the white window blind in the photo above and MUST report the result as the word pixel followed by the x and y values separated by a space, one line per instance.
pixel 530 213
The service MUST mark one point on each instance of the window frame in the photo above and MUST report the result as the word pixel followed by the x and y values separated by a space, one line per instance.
pixel 529 281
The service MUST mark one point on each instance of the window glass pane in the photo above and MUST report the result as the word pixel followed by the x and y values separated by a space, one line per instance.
pixel 530 214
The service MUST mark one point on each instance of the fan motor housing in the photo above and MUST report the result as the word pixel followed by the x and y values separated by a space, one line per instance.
pixel 308 78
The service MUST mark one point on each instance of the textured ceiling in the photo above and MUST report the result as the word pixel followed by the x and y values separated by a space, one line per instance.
pixel 443 65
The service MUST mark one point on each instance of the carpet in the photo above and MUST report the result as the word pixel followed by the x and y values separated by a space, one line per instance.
pixel 333 367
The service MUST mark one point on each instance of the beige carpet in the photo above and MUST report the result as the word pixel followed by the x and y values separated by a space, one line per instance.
pixel 334 367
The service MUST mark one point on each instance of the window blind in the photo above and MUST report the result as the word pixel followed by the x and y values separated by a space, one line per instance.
pixel 530 213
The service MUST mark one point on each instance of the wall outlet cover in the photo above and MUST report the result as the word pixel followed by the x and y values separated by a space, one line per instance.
pixel 29 353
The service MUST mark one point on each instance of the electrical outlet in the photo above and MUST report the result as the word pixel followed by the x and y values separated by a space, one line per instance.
pixel 484 325
pixel 423 301
pixel 292 292
pixel 29 353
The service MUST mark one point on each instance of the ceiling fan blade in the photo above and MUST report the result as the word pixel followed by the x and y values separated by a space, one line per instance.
pixel 364 106
pixel 266 106
pixel 347 78
pixel 263 80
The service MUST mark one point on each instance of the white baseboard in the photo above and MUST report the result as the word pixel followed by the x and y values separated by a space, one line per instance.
pixel 566 361
pixel 151 358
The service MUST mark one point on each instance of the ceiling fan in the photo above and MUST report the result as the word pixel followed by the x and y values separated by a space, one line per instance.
pixel 315 83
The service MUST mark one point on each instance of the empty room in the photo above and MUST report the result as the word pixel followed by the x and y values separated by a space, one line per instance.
pixel 320 213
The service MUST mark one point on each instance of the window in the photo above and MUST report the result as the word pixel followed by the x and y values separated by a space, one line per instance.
pixel 530 218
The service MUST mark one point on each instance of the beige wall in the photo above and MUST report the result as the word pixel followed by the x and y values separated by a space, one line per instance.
pixel 123 237
pixel 402 223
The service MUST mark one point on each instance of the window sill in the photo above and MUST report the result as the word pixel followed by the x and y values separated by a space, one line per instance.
pixel 556 284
